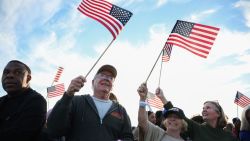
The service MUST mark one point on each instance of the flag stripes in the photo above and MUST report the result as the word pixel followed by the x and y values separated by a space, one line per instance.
pixel 112 17
pixel 196 38
pixel 241 100
pixel 154 101
pixel 166 52
pixel 55 90
pixel 58 74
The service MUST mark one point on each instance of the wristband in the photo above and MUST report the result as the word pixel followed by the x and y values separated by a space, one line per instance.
pixel 143 104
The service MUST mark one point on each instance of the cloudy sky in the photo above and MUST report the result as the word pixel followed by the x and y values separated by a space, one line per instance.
pixel 47 34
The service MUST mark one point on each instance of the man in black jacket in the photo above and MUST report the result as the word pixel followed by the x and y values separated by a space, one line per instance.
pixel 22 110
pixel 91 118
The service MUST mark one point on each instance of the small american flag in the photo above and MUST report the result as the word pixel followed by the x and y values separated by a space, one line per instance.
pixel 166 52
pixel 194 37
pixel 154 101
pixel 55 90
pixel 241 99
pixel 58 74
pixel 111 16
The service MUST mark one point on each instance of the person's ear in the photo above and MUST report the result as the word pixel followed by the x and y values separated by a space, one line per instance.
pixel 28 78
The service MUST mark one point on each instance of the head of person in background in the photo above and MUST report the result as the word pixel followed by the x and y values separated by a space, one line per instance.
pixel 103 82
pixel 245 119
pixel 237 123
pixel 174 120
pixel 151 117
pixel 159 119
pixel 213 114
pixel 16 77
pixel 229 128
pixel 113 97
pixel 198 119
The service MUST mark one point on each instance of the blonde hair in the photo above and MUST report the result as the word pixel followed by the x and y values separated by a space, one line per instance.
pixel 184 125
pixel 221 121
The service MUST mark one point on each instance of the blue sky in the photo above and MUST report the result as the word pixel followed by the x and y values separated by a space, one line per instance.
pixel 48 34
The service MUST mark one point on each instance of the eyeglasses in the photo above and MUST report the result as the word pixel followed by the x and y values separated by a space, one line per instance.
pixel 105 76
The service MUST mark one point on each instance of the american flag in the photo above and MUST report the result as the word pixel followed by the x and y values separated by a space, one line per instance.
pixel 194 37
pixel 55 90
pixel 154 101
pixel 111 16
pixel 58 74
pixel 241 99
pixel 166 52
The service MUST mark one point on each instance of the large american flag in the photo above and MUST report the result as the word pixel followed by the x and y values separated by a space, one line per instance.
pixel 241 99
pixel 111 16
pixel 55 90
pixel 154 101
pixel 58 74
pixel 194 37
pixel 166 52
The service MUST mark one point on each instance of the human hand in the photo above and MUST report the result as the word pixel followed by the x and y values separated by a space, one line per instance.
pixel 159 93
pixel 75 85
pixel 143 91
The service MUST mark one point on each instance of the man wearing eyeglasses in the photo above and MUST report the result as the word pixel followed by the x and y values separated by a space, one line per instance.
pixel 91 118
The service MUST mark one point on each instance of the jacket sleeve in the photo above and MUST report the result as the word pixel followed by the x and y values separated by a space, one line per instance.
pixel 29 123
pixel 126 133
pixel 168 105
pixel 60 117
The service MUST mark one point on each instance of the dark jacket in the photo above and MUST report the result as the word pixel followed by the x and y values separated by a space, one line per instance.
pixel 22 116
pixel 76 117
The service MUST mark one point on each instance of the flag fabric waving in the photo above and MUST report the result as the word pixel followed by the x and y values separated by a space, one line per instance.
pixel 166 52
pixel 111 16
pixel 194 37
pixel 55 90
pixel 58 74
pixel 154 101
pixel 241 99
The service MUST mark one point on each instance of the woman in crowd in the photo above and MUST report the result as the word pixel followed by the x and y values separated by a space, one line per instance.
pixel 213 116
pixel 173 122
pixel 245 124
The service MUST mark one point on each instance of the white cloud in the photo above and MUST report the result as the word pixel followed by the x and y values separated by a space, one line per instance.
pixel 12 12
pixel 196 17
pixel 161 2
pixel 184 78
pixel 245 5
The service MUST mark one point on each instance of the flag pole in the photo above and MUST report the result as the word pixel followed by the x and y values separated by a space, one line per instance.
pixel 237 110
pixel 99 58
pixel 159 82
pixel 153 66
pixel 47 99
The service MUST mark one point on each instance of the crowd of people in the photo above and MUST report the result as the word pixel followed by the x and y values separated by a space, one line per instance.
pixel 100 117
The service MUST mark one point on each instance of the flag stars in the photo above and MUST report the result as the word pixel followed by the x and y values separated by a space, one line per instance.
pixel 120 14
pixel 183 25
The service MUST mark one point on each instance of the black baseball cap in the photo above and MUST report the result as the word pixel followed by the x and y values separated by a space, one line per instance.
pixel 108 68
pixel 174 110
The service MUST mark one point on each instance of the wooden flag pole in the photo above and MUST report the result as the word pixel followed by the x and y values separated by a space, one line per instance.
pixel 153 66
pixel 99 58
